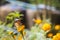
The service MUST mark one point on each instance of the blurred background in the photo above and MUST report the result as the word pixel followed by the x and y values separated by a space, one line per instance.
pixel 40 17
pixel 50 5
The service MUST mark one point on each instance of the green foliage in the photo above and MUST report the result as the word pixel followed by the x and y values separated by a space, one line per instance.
pixel 10 25
pixel 55 3
pixel 10 18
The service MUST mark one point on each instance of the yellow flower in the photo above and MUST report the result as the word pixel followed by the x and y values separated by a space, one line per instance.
pixel 46 27
pixel 56 37
pixel 10 32
pixel 50 35
pixel 57 27
pixel 58 34
pixel 20 37
pixel 37 21
pixel 20 28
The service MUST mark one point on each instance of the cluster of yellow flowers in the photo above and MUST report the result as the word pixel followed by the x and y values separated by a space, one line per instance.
pixel 56 37
pixel 45 27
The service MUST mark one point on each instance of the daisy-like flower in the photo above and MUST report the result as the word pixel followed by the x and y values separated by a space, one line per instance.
pixel 20 28
pixel 57 27
pixel 37 21
pixel 46 26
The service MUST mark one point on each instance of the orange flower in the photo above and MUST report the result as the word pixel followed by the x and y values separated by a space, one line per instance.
pixel 46 27
pixel 20 28
pixel 56 37
pixel 57 27
pixel 37 21
pixel 50 35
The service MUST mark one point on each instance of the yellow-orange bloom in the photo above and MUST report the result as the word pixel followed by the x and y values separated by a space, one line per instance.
pixel 37 21
pixel 20 37
pixel 57 27
pixel 58 34
pixel 56 37
pixel 50 35
pixel 20 28
pixel 46 27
